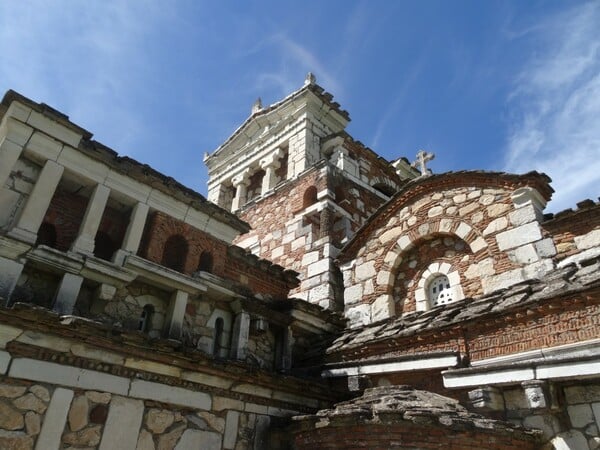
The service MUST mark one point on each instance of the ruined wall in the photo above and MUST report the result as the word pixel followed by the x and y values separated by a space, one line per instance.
pixel 16 191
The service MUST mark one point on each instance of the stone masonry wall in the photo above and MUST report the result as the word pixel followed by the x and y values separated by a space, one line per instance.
pixel 503 244
pixel 15 192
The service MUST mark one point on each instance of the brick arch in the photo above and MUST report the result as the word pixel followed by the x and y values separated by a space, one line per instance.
pixel 407 239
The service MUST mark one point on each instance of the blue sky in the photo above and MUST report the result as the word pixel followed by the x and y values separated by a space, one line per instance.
pixel 494 85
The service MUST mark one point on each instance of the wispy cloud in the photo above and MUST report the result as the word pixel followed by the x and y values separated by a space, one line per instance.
pixel 82 58
pixel 556 106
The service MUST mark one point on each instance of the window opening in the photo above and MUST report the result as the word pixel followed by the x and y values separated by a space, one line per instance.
pixel 46 235
pixel 310 197
pixel 145 321
pixel 440 292
pixel 175 253
pixel 104 246
pixel 218 337
pixel 206 262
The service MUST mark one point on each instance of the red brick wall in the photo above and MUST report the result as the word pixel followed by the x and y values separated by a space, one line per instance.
pixel 403 434
pixel 66 213
pixel 160 227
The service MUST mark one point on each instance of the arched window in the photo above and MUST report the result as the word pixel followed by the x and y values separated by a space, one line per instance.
pixel 206 262
pixel 175 253
pixel 218 337
pixel 104 246
pixel 145 321
pixel 439 291
pixel 46 235
pixel 310 197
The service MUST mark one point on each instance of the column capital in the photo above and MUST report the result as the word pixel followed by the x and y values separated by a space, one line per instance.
pixel 272 160
pixel 242 178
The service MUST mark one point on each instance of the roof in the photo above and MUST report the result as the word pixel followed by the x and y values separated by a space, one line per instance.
pixel 569 280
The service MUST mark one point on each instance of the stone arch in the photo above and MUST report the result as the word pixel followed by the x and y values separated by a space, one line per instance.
pixel 309 197
pixel 220 322
pixel 434 269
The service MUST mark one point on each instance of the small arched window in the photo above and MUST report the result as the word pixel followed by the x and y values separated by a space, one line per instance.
pixel 218 337
pixel 104 246
pixel 310 197
pixel 145 321
pixel 206 262
pixel 439 291
pixel 46 235
pixel 175 253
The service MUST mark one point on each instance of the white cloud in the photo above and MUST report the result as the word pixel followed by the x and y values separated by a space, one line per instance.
pixel 556 103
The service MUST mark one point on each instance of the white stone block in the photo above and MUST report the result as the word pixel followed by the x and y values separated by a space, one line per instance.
pixel 525 254
pixel 580 415
pixel 589 240
pixel 522 216
pixel 569 440
pixel 501 281
pixel 382 308
pixel 463 230
pixel 353 294
pixel 545 248
pixel 196 439
pixel 496 225
pixel 404 243
pixel 122 424
pixel 48 372
pixel 365 271
pixel 384 278
pixel 358 315
pixel 54 420
pixel 318 268
pixel 446 225
pixel 390 235
pixel 538 269
pixel 4 361
pixel 521 235
pixel 478 244
pixel 170 394
pixel 7 334
pixel 54 129
pixel 231 430
pixel 309 258
pixel 10 271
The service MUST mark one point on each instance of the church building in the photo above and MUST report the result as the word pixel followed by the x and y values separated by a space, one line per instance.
pixel 319 296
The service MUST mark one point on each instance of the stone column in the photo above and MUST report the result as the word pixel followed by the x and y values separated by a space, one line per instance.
pixel 175 313
pixel 269 164
pixel 239 340
pixel 37 204
pixel 67 293
pixel 84 242
pixel 133 235
pixel 10 271
pixel 240 183
pixel 15 135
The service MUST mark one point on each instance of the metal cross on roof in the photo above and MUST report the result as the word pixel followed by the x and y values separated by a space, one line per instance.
pixel 422 158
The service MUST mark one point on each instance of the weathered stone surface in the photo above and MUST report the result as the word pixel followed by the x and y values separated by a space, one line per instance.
pixel 158 420
pixel 145 441
pixel 15 441
pixel 89 437
pixel 521 235
pixel 123 424
pixel 10 391
pixel 55 419
pixel 78 414
pixel 169 440
pixel 98 397
pixel 32 423
pixel 547 423
pixel 194 439
pixel 569 440
pixel 225 403
pixel 30 402
pixel 582 394
pixel 580 415
pixel 10 418
pixel 231 429
pixel 40 392
pixel 215 422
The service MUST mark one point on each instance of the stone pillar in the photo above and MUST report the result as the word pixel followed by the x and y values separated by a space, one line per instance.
pixel 239 340
pixel 288 344
pixel 133 235
pixel 15 135
pixel 240 182
pixel 325 223
pixel 55 419
pixel 175 313
pixel 67 293
pixel 84 242
pixel 37 204
pixel 10 271
pixel 122 424
pixel 269 164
